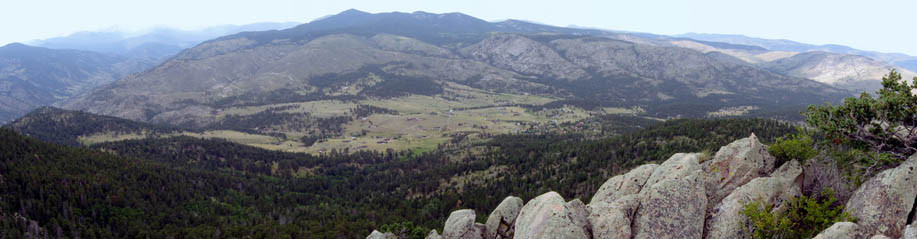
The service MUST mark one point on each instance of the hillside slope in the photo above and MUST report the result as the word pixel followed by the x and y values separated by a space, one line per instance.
pixel 34 76
pixel 858 73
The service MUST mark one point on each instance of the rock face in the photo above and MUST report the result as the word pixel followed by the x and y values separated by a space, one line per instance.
pixel 840 230
pixel 623 185
pixel 910 232
pixel 613 220
pixel 547 216
pixel 882 204
pixel 433 235
pixel 501 221
pixel 673 202
pixel 379 235
pixel 460 225
pixel 735 165
pixel 726 221
pixel 652 201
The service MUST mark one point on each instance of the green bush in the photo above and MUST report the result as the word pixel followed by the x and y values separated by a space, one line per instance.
pixel 797 146
pixel 405 230
pixel 804 217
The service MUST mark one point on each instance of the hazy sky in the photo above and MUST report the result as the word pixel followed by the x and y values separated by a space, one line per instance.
pixel 880 25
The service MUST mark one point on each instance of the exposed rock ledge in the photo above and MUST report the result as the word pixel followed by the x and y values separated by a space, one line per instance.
pixel 685 198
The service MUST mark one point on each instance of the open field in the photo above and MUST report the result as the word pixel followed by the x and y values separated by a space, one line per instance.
pixel 420 123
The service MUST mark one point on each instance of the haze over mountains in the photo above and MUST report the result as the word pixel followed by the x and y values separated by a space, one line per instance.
pixel 35 76
pixel 155 44
pixel 55 69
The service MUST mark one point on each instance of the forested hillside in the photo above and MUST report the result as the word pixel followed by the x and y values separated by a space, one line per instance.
pixel 193 188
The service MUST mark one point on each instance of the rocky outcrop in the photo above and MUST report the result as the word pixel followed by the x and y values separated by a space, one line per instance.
pixel 735 165
pixel 613 220
pixel 380 235
pixel 673 202
pixel 840 230
pixel 652 201
pixel 910 232
pixel 547 216
pixel 461 225
pixel 726 221
pixel 882 204
pixel 623 185
pixel 433 235
pixel 500 223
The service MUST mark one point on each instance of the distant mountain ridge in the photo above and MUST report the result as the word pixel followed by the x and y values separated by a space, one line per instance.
pixel 68 66
pixel 843 70
pixel 901 60
pixel 155 44
pixel 35 76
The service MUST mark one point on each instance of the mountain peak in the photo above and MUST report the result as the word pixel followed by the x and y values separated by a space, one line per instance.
pixel 353 12
pixel 17 48
pixel 15 45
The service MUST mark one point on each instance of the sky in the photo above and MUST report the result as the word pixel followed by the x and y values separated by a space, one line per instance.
pixel 878 25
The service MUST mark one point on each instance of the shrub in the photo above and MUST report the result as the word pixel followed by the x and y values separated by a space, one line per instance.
pixel 705 155
pixel 804 217
pixel 797 146
pixel 405 230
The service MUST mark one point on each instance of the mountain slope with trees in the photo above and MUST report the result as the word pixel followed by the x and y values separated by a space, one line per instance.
pixel 351 55
pixel 33 76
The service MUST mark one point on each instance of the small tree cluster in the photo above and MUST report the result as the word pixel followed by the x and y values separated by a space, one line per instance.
pixel 887 124
pixel 797 146
pixel 804 217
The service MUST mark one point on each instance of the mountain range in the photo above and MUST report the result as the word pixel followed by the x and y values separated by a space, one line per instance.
pixel 411 122
pixel 346 80
pixel 449 51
